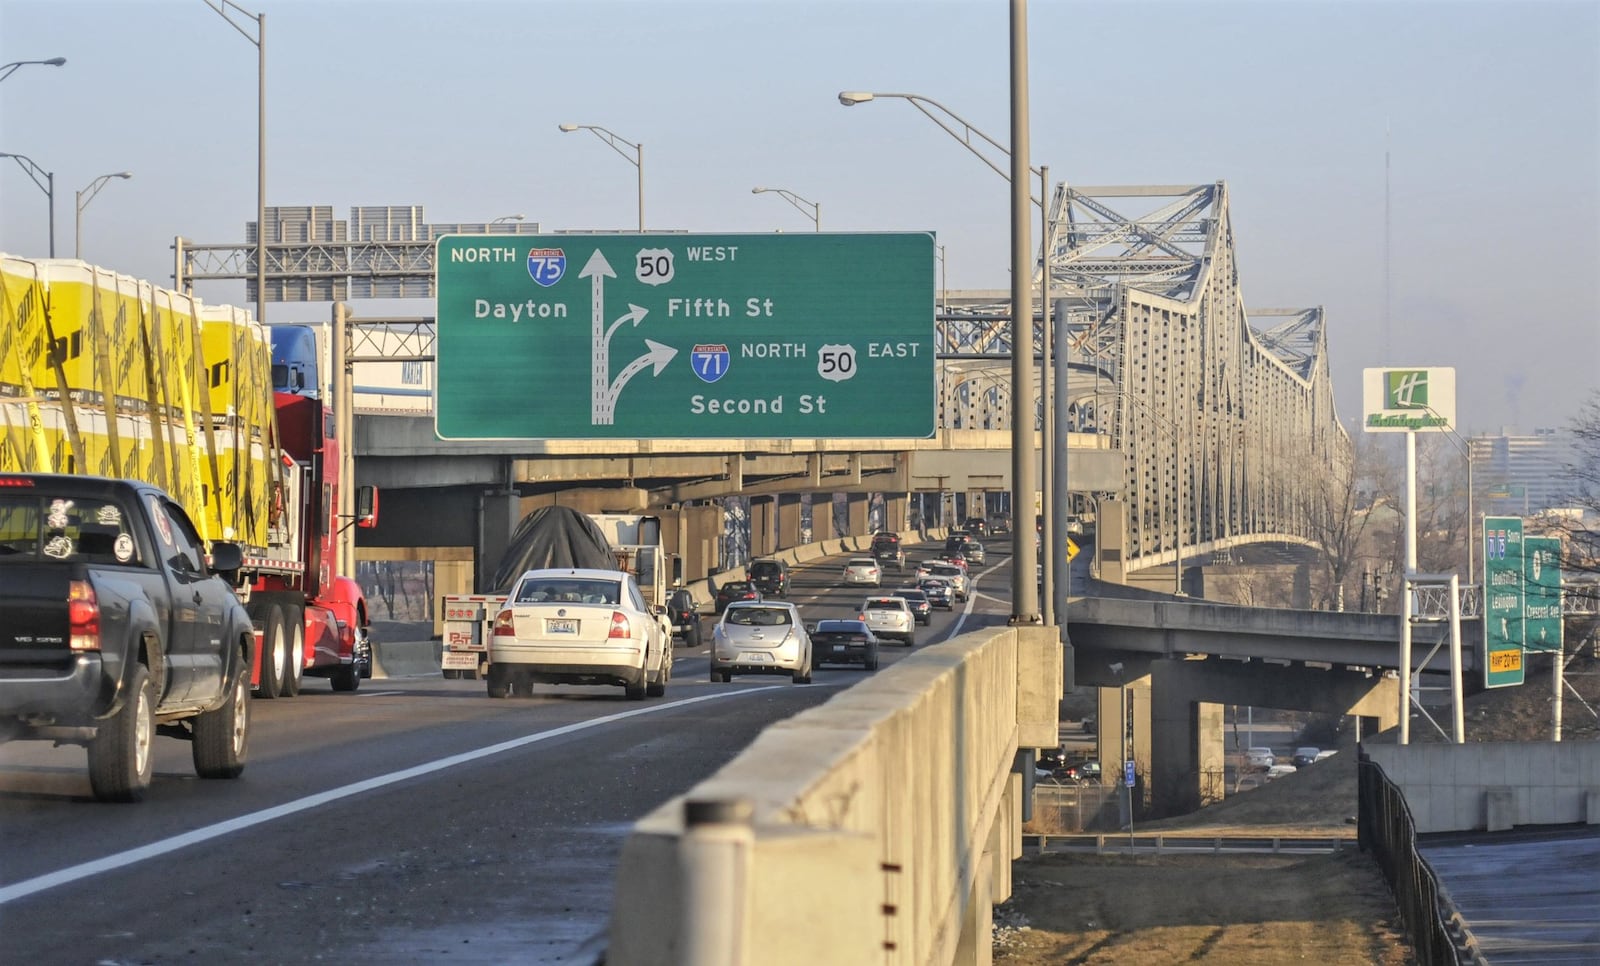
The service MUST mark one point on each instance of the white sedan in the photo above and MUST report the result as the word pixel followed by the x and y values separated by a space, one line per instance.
pixel 863 570
pixel 578 626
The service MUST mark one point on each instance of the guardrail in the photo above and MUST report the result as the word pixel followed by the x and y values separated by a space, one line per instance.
pixel 1386 829
pixel 876 828
pixel 1159 843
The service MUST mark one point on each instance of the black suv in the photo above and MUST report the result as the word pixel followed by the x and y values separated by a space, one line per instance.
pixel 771 577
pixel 887 550
pixel 685 617
pixel 976 525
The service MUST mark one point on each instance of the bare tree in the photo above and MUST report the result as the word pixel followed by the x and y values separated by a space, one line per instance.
pixel 1340 519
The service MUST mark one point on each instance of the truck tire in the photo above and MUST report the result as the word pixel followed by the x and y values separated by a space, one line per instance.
pixel 347 677
pixel 222 737
pixel 691 637
pixel 274 653
pixel 294 665
pixel 120 758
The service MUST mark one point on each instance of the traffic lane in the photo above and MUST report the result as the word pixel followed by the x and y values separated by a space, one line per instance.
pixel 299 747
pixel 506 858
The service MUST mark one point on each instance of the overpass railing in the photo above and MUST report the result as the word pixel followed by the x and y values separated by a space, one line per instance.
pixel 876 828
pixel 1386 830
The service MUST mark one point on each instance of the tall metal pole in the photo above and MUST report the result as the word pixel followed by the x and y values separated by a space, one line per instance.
pixel 1024 592
pixel 261 169
pixel 50 192
pixel 638 151
pixel 1047 428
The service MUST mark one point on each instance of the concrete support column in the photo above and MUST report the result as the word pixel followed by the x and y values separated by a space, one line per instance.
pixel 499 511
pixel 1122 728
pixel 1186 761
pixel 788 520
pixel 763 524
pixel 702 530
pixel 896 512
pixel 1110 540
pixel 858 515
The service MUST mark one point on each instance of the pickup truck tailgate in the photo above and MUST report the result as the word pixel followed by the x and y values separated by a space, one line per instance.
pixel 33 598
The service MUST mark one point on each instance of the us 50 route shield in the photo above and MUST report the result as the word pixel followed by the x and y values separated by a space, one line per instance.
pixel 685 336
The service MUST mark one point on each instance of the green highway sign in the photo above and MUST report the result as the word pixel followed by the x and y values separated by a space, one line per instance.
pixel 1502 601
pixel 1541 609
pixel 676 336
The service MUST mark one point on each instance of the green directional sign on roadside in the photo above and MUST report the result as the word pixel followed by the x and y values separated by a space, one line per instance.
pixel 1541 609
pixel 1502 601
pixel 685 336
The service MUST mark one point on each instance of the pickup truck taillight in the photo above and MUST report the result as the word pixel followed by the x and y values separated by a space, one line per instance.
pixel 503 624
pixel 83 616
pixel 619 625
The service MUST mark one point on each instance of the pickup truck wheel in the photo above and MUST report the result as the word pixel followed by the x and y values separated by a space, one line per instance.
pixel 274 653
pixel 222 737
pixel 691 637
pixel 120 760
pixel 294 665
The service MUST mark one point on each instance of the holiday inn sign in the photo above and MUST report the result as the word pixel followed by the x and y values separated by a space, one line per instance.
pixel 1408 400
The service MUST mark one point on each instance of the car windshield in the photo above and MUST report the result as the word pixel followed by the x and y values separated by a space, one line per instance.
pixel 759 616
pixel 912 595
pixel 568 590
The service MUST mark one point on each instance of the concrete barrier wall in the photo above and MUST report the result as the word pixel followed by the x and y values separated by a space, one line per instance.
pixel 1494 786
pixel 876 828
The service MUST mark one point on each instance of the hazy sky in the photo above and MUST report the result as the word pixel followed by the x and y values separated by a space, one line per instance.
pixel 1493 113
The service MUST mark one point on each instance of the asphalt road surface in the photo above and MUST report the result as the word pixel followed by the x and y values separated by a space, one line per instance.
pixel 413 821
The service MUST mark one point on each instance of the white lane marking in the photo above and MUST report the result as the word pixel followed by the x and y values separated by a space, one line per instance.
pixel 83 870
pixel 378 694
pixel 972 597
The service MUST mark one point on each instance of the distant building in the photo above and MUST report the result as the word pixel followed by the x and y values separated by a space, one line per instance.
pixel 1524 475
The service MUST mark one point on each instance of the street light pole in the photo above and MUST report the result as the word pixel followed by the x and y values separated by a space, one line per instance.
pixel 11 68
pixel 48 186
pixel 505 218
pixel 815 212
pixel 223 7
pixel 611 138
pixel 1026 540
pixel 83 202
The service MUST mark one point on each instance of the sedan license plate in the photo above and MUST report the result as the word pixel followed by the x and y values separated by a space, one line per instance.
pixel 561 625
pixel 839 648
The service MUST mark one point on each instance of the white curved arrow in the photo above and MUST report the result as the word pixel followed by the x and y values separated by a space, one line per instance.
pixel 635 312
pixel 659 355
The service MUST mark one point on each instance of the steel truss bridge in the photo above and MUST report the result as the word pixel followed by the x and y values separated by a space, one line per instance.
pixel 1225 417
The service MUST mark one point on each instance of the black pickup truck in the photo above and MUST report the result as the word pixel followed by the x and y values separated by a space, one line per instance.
pixel 115 627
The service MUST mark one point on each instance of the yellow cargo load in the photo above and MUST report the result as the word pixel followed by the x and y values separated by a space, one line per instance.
pixel 144 383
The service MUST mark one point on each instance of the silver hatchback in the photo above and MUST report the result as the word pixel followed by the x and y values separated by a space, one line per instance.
pixel 761 637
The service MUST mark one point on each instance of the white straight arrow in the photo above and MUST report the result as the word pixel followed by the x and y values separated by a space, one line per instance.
pixel 597 269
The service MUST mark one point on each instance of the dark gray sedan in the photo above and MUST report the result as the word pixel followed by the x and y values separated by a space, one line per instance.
pixel 844 642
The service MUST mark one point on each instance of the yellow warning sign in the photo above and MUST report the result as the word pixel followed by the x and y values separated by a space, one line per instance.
pixel 1072 550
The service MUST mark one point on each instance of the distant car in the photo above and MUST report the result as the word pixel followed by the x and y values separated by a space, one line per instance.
pixel 1305 756
pixel 957 539
pixel 976 525
pixel 735 590
pixel 890 617
pixel 1259 759
pixel 956 557
pixel 579 626
pixel 685 616
pixel 938 592
pixel 761 637
pixel 1000 524
pixel 863 570
pixel 955 575
pixel 1088 771
pixel 921 606
pixel 974 552
pixel 771 577
pixel 844 642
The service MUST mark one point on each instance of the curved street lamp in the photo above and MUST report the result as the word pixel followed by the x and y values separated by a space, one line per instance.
pixel 83 198
pixel 225 9
pixel 48 186
pixel 505 218
pixel 636 158
pixel 1052 452
pixel 11 68
pixel 815 212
